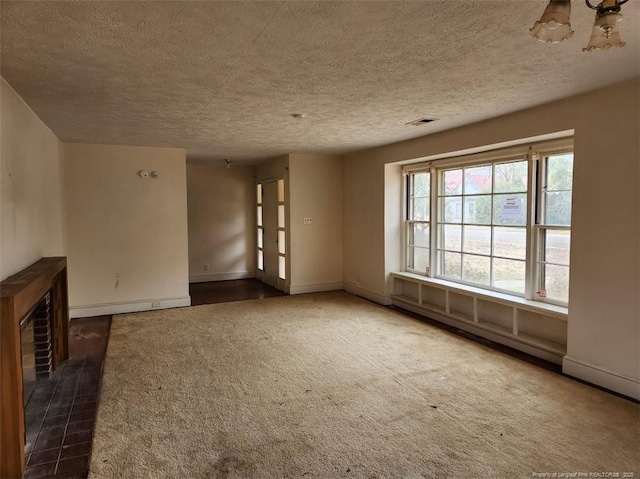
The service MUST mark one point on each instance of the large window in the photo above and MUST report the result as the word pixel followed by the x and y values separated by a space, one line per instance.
pixel 498 223
pixel 482 227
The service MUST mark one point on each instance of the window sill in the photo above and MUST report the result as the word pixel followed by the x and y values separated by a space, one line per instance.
pixel 553 310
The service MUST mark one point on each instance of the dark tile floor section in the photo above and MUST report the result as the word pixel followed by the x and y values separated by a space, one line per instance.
pixel 227 291
pixel 61 411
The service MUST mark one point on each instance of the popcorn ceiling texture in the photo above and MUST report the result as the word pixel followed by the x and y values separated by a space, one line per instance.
pixel 222 78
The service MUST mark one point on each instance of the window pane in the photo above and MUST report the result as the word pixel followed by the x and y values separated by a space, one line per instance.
pixel 452 182
pixel 482 217
pixel 282 242
pixel 281 216
pixel 418 259
pixel 260 237
pixel 477 180
pixel 475 269
pixel 260 260
pixel 451 238
pixel 420 209
pixel 560 172
pixel 451 265
pixel 557 209
pixel 451 209
pixel 419 234
pixel 477 239
pixel 509 275
pixel 510 242
pixel 555 280
pixel 259 193
pixel 556 244
pixel 280 191
pixel 421 184
pixel 510 177
pixel 259 215
pixel 282 267
pixel 477 209
pixel 510 210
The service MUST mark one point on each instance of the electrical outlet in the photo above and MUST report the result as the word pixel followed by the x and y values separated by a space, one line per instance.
pixel 307 221
pixel 155 304
pixel 205 267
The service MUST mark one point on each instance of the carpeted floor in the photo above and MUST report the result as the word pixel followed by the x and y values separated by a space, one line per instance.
pixel 330 386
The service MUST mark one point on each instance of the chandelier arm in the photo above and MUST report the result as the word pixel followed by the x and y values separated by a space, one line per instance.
pixel 591 6
pixel 618 3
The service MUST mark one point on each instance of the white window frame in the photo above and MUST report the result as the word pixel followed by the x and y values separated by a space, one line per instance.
pixel 408 205
pixel 535 155
pixel 540 225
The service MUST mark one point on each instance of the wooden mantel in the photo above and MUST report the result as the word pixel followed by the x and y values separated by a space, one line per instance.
pixel 20 294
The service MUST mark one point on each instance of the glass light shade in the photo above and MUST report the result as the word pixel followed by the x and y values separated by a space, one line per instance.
pixel 601 40
pixel 554 25
pixel 607 21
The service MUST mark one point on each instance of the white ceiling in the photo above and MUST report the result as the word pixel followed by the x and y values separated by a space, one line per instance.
pixel 221 79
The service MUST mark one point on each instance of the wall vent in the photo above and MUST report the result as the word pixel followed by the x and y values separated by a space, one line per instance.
pixel 421 121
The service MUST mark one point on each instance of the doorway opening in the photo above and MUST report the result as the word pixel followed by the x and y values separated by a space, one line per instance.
pixel 271 233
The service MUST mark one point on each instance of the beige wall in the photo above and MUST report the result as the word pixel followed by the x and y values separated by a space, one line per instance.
pixel 126 236
pixel 313 190
pixel 604 316
pixel 31 186
pixel 363 219
pixel 273 169
pixel 393 221
pixel 222 230
pixel 315 186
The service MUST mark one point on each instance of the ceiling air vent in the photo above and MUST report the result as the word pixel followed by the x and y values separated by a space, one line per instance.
pixel 421 121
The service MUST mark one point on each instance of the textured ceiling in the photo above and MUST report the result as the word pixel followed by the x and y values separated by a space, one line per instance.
pixel 221 79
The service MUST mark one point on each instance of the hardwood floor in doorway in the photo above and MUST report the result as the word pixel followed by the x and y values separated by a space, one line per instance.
pixel 228 291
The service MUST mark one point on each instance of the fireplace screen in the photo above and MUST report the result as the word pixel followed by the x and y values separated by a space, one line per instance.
pixel 28 357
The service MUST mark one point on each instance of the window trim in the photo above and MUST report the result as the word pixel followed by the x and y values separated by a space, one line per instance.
pixel 535 155
pixel 407 205
pixel 540 223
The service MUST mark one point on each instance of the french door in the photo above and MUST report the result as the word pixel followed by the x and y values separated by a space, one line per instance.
pixel 271 233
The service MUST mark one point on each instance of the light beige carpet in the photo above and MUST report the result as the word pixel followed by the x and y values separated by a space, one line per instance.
pixel 329 385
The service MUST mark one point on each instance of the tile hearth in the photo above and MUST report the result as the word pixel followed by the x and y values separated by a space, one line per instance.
pixel 61 410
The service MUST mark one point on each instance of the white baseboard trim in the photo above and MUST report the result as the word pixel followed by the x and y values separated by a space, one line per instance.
pixel 128 307
pixel 353 288
pixel 206 277
pixel 601 377
pixel 314 288
pixel 496 338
